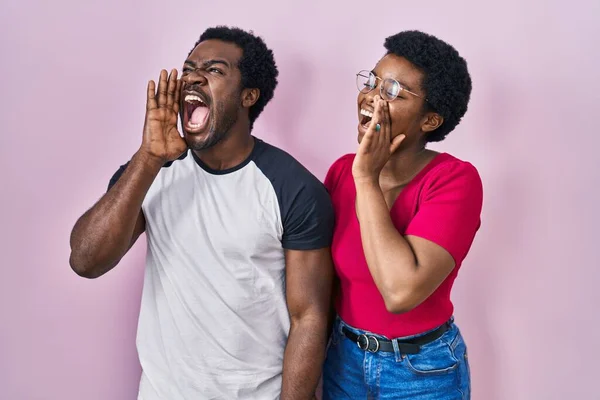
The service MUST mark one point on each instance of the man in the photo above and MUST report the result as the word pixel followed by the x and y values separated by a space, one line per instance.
pixel 238 270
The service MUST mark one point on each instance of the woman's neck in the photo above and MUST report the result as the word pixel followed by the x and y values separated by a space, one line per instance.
pixel 403 165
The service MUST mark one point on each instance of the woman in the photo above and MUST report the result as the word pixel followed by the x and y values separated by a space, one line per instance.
pixel 405 219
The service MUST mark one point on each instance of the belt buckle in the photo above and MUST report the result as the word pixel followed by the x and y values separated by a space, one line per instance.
pixel 367 343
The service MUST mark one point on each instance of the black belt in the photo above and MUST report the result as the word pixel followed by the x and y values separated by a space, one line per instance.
pixel 374 344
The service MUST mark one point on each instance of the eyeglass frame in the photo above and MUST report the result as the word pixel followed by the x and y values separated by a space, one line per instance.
pixel 402 88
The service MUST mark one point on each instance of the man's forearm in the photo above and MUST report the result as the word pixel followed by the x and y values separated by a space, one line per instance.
pixel 304 357
pixel 102 235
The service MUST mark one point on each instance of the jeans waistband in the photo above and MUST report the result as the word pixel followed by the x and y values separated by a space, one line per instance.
pixel 373 343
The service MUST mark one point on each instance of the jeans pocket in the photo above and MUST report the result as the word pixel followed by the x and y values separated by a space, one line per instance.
pixel 435 358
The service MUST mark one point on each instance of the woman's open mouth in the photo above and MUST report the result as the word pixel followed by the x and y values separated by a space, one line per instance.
pixel 367 116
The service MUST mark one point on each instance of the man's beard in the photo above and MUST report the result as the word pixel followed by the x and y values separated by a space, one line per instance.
pixel 219 129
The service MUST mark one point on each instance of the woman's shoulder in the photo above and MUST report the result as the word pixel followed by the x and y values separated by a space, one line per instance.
pixel 450 175
pixel 346 159
pixel 339 167
pixel 447 166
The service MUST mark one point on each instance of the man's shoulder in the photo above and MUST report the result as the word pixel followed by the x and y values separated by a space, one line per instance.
pixel 281 167
pixel 306 211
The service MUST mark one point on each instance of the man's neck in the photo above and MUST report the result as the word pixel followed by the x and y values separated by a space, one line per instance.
pixel 229 152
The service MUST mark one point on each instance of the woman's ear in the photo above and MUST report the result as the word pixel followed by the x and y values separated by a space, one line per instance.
pixel 431 121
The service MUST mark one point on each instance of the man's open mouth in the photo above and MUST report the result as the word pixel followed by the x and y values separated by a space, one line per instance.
pixel 195 113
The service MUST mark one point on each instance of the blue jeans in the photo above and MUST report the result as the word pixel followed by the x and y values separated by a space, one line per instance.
pixel 439 371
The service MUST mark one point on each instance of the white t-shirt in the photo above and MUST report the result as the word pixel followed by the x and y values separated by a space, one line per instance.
pixel 214 321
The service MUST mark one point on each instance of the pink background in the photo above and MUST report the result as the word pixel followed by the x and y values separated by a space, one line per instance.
pixel 73 86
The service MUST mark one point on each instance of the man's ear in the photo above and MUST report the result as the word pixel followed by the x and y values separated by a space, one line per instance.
pixel 250 97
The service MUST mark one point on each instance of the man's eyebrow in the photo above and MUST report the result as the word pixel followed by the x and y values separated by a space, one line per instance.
pixel 208 63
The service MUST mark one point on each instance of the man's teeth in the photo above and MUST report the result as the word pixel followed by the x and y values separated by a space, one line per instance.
pixel 191 98
pixel 366 113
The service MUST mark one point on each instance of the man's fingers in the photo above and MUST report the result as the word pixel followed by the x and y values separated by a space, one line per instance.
pixel 171 88
pixel 151 96
pixel 162 88
pixel 177 98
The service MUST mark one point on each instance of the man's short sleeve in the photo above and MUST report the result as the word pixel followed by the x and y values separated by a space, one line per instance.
pixel 117 175
pixel 308 218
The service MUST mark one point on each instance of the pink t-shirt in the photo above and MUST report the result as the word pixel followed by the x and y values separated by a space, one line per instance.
pixel 442 204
